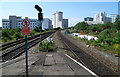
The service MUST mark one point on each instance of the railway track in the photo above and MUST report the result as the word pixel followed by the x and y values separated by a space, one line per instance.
pixel 14 49
pixel 89 61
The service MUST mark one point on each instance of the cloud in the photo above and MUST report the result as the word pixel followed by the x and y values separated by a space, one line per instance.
pixel 73 21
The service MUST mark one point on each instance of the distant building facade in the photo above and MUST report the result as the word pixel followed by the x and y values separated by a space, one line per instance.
pixel 47 24
pixel 16 22
pixel 113 17
pixel 58 20
pixel 101 18
pixel 65 23
pixel 5 24
pixel 88 19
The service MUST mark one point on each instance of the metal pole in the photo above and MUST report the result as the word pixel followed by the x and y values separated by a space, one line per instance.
pixel 26 47
pixel 40 25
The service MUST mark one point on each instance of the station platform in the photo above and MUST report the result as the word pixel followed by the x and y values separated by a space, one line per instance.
pixel 47 64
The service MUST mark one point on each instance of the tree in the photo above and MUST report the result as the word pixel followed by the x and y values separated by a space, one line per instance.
pixel 81 26
pixel 117 23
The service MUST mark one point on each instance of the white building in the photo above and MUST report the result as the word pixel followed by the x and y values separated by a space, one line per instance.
pixel 101 18
pixel 113 17
pixel 54 20
pixel 16 22
pixel 5 24
pixel 57 16
pixel 58 20
pixel 33 23
pixel 47 24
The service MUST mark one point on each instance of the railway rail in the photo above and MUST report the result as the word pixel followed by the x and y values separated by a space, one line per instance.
pixel 16 48
pixel 89 61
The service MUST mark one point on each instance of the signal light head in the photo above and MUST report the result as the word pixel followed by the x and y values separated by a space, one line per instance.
pixel 38 8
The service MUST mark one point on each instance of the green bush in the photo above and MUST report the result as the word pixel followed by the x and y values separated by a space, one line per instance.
pixel 32 32
pixel 4 39
pixel 11 34
pixel 47 46
pixel 108 35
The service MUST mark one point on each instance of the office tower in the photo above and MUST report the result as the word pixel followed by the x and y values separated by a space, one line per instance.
pixel 100 17
pixel 59 21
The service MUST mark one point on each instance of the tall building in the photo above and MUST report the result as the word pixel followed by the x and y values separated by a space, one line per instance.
pixel 47 24
pixel 101 18
pixel 58 16
pixel 58 20
pixel 54 20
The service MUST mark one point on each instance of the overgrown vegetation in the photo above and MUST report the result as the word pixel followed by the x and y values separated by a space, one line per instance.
pixel 15 34
pixel 108 34
pixel 47 46
pixel 36 30
pixel 11 34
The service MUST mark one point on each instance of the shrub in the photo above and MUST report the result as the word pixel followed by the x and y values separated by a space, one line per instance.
pixel 47 46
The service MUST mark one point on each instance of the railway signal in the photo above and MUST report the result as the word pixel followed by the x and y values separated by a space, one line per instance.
pixel 40 14
pixel 38 8
pixel 40 17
